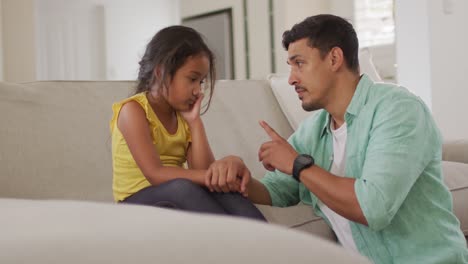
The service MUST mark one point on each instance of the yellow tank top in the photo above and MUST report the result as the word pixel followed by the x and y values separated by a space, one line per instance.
pixel 172 148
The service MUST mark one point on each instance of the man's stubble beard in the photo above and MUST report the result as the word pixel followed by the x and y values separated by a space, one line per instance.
pixel 309 107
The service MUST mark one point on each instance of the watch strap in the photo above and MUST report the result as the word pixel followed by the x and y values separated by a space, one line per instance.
pixel 301 162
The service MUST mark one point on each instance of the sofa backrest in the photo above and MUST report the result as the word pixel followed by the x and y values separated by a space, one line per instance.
pixel 232 120
pixel 55 141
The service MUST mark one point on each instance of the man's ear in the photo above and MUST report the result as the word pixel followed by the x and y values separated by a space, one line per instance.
pixel 336 58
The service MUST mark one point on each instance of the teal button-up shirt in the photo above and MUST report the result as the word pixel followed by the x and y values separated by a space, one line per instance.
pixel 393 150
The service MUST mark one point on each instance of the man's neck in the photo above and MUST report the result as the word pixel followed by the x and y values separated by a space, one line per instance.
pixel 341 96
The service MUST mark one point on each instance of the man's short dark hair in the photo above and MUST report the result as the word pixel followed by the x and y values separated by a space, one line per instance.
pixel 325 32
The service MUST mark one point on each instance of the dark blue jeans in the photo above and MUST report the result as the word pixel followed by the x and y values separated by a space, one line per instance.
pixel 185 195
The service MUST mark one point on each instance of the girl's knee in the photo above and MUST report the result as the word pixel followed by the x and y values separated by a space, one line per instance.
pixel 182 186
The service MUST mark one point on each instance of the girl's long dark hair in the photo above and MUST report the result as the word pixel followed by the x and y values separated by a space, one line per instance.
pixel 169 50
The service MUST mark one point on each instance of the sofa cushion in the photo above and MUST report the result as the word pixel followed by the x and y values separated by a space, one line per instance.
pixel 82 232
pixel 232 121
pixel 288 100
pixel 299 217
pixel 455 150
pixel 55 139
pixel 456 178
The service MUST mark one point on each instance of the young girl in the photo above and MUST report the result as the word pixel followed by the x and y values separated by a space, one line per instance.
pixel 158 129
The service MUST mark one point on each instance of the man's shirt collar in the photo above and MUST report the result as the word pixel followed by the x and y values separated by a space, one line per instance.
pixel 357 102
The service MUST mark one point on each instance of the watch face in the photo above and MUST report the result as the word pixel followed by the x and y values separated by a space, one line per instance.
pixel 304 159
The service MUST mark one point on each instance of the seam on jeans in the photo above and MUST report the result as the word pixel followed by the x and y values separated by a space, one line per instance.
pixel 165 203
pixel 458 188
pixel 305 223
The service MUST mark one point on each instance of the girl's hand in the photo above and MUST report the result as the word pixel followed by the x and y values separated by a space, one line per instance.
pixel 193 114
pixel 228 175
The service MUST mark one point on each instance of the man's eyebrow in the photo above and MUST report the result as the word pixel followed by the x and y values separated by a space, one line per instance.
pixel 292 58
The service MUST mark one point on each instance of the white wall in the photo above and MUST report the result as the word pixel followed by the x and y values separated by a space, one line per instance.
pixel 1 43
pixel 413 47
pixel 342 8
pixel 288 13
pixel 431 57
pixel 449 70
pixel 70 40
pixel 129 26
pixel 18 40
pixel 259 39
pixel 97 39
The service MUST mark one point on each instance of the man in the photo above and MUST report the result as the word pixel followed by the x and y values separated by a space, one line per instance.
pixel 369 163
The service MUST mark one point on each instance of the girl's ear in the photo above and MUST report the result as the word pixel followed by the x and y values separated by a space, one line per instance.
pixel 157 72
pixel 156 79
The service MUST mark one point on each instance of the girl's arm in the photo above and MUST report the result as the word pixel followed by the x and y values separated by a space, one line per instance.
pixel 199 154
pixel 134 127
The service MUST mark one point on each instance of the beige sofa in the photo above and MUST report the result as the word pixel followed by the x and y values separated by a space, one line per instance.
pixel 55 146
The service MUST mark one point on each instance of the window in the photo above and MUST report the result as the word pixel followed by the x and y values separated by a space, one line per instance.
pixel 373 20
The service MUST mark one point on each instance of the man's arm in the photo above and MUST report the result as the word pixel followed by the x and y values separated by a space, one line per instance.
pixel 335 191
pixel 402 142
pixel 258 193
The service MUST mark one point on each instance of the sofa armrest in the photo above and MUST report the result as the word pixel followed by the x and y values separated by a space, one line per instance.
pixel 82 232
pixel 455 150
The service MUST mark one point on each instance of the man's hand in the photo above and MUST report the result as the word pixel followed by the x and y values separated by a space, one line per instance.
pixel 277 153
pixel 228 174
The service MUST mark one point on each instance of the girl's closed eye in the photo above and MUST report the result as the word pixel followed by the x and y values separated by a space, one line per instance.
pixel 194 79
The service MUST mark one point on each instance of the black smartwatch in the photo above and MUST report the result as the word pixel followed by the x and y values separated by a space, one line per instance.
pixel 302 161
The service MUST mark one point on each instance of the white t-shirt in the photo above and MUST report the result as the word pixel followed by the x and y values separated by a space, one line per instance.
pixel 339 224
